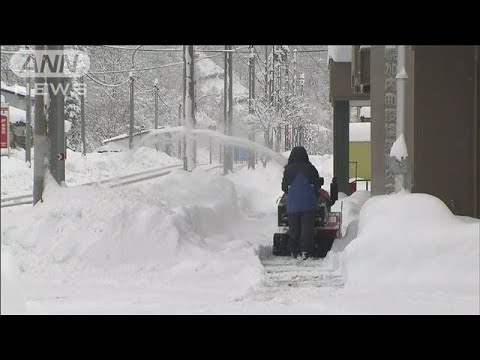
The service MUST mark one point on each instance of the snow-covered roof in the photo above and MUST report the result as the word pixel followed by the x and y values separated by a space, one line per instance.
pixel 17 115
pixel 360 131
pixel 16 89
pixel 340 53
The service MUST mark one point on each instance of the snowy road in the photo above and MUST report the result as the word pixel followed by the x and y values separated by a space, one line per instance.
pixel 182 290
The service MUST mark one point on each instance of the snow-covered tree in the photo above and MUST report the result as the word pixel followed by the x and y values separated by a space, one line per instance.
pixel 73 114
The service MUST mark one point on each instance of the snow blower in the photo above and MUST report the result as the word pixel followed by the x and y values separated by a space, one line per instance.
pixel 327 223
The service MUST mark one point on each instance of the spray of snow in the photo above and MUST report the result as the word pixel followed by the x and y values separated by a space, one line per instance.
pixel 156 136
pixel 251 183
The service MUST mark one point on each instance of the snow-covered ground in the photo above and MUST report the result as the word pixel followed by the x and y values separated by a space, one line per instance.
pixel 188 243
pixel 17 175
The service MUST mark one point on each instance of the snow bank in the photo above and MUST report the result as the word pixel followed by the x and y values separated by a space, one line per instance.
pixel 97 166
pixel 350 207
pixel 13 299
pixel 413 240
pixel 17 115
pixel 16 175
pixel 16 89
pixel 101 226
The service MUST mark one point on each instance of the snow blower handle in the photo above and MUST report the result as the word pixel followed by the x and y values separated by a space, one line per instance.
pixel 279 198
pixel 333 191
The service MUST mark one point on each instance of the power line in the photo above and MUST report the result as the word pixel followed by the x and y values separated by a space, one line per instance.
pixel 143 90
pixel 149 68
pixel 143 49
pixel 166 49
pixel 309 51
pixel 319 63
pixel 104 84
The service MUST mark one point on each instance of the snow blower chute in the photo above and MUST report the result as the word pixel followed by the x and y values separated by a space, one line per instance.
pixel 327 223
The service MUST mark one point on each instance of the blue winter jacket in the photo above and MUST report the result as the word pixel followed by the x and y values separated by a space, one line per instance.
pixel 301 182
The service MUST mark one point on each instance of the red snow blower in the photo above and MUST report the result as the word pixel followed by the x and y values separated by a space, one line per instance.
pixel 327 223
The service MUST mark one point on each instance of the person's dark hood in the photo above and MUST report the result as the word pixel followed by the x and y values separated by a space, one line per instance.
pixel 298 155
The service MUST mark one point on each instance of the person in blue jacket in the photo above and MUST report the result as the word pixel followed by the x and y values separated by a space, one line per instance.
pixel 301 182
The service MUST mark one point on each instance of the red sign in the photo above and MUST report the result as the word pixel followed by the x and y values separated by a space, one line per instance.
pixel 4 128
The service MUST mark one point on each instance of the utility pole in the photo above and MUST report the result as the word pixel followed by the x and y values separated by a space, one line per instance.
pixel 300 129
pixel 292 91
pixel 287 99
pixel 184 84
pixel 40 138
pixel 56 122
pixel 82 110
pixel 230 105
pixel 180 116
pixel 225 107
pixel 266 72
pixel 271 97
pixel 251 97
pixel 28 133
pixel 272 78
pixel 287 75
pixel 132 119
pixel 156 103
pixel 302 81
pixel 155 85
pixel 277 97
pixel 132 104
pixel 189 107
pixel 228 109
pixel 294 72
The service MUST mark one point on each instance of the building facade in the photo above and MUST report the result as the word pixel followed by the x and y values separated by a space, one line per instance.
pixel 442 120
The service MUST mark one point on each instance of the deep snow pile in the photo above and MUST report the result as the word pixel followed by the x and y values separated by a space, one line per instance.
pixel 97 166
pixel 16 174
pixel 171 233
pixel 152 225
pixel 413 241
pixel 350 207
